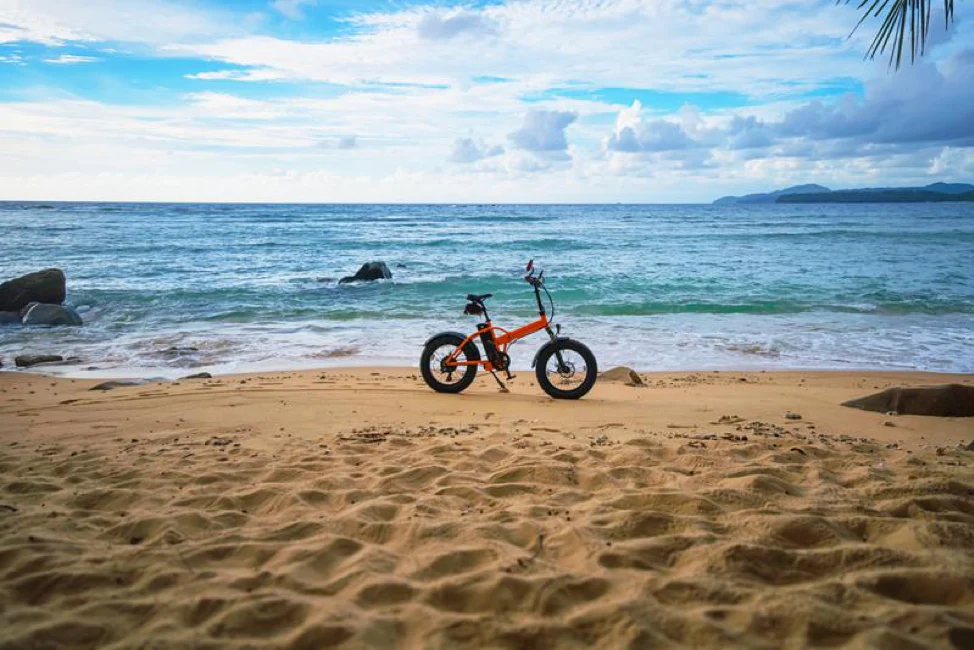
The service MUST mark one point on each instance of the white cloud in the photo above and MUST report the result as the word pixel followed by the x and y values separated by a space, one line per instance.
pixel 55 22
pixel 71 59
pixel 434 26
pixel 292 9
pixel 543 131
pixel 545 42
pixel 468 150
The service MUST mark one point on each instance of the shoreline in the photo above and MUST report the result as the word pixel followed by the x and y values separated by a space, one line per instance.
pixel 167 373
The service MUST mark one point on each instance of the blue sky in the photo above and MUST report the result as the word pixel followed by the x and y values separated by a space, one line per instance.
pixel 530 100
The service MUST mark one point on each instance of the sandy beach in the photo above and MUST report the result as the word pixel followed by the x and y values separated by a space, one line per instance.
pixel 357 509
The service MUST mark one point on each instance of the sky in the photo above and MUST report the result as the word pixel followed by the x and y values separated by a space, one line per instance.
pixel 504 101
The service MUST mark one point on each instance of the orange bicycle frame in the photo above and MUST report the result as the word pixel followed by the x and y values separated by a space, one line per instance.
pixel 501 342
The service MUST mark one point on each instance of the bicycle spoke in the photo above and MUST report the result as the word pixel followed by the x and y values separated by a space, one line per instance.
pixel 448 374
pixel 566 369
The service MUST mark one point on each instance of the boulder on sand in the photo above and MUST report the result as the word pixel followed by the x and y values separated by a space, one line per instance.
pixel 622 374
pixel 369 271
pixel 28 360
pixel 119 383
pixel 44 314
pixel 43 286
pixel 951 400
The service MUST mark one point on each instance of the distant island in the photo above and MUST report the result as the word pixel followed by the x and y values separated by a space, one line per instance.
pixel 933 193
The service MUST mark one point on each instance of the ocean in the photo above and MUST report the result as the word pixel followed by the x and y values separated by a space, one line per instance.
pixel 166 289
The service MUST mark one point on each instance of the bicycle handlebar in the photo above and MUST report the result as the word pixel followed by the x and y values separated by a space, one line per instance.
pixel 530 279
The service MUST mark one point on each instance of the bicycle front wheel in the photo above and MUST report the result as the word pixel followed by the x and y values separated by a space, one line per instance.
pixel 566 369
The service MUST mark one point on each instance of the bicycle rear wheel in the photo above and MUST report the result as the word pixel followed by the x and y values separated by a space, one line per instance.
pixel 440 376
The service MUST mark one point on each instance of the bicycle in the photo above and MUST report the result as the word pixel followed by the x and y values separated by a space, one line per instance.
pixel 565 368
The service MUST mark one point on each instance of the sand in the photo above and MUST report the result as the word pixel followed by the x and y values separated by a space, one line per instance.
pixel 357 509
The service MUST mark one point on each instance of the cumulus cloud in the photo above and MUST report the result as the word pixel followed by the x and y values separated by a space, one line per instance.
pixel 543 131
pixel 928 105
pixel 656 135
pixel 920 104
pixel 748 133
pixel 468 150
pixel 437 27
pixel 633 134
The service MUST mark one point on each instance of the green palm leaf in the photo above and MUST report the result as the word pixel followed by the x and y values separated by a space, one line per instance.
pixel 899 17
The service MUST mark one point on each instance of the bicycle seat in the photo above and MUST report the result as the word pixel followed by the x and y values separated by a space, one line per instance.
pixel 481 298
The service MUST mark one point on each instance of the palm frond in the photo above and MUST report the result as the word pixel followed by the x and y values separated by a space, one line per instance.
pixel 904 22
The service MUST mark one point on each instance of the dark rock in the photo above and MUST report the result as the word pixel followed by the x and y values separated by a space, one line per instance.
pixel 792 416
pixel 199 375
pixel 44 314
pixel 369 272
pixel 119 383
pixel 28 360
pixel 43 286
pixel 623 374
pixel 173 352
pixel 951 400
pixel 9 317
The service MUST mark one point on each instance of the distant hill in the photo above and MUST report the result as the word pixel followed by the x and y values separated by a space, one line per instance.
pixel 933 193
pixel 772 197
pixel 950 188
pixel 902 195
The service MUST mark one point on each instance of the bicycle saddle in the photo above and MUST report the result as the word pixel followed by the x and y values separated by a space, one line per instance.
pixel 480 298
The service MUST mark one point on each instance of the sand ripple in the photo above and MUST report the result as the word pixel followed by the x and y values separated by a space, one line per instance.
pixel 443 539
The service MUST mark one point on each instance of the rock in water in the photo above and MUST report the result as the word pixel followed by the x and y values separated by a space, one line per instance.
pixel 28 360
pixel 369 271
pixel 43 286
pixel 43 314
pixel 952 400
pixel 9 317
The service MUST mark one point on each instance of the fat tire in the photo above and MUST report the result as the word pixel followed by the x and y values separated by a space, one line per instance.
pixel 437 342
pixel 591 367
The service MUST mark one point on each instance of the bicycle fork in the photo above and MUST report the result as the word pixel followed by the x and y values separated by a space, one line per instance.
pixel 562 366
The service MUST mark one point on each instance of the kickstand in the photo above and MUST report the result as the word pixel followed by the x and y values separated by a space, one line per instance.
pixel 503 388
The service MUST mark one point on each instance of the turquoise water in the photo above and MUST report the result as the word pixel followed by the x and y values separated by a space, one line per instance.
pixel 654 287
